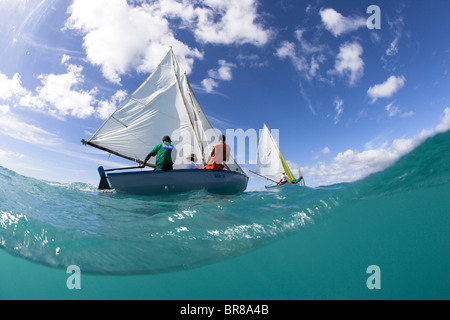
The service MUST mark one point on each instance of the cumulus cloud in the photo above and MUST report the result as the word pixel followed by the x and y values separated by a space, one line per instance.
pixel 337 24
pixel 352 165
pixel 230 22
pixel 59 95
pixel 10 88
pixel 223 72
pixel 349 62
pixel 445 121
pixel 387 88
pixel 107 107
pixel 209 84
pixel 119 36
pixel 218 22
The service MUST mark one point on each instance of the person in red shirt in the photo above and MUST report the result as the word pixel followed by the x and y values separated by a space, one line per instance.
pixel 219 156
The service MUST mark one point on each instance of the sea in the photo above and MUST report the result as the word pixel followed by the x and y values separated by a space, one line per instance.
pixel 386 236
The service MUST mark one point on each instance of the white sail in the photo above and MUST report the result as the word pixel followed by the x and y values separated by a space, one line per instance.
pixel 268 163
pixel 269 160
pixel 164 105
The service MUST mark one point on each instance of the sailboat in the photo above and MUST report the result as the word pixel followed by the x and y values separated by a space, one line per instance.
pixel 270 163
pixel 164 105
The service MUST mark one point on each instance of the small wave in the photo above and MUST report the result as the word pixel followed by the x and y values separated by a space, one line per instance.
pixel 64 224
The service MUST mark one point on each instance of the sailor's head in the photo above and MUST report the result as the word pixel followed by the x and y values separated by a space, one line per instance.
pixel 222 138
pixel 192 157
pixel 166 139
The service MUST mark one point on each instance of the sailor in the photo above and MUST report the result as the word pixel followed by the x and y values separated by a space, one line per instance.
pixel 219 156
pixel 163 153
pixel 283 179
pixel 191 162
pixel 295 181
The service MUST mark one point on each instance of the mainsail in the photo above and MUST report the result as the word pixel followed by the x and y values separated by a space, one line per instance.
pixel 163 105
pixel 270 163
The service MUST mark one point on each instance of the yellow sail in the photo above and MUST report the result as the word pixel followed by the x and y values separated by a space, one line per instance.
pixel 287 170
pixel 270 163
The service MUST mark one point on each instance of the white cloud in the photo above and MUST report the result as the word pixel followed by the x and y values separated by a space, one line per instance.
pixel 306 46
pixel 338 104
pixel 58 95
pixel 392 110
pixel 387 88
pixel 10 88
pixel 352 165
pixel 393 48
pixel 230 22
pixel 120 37
pixel 407 114
pixel 223 73
pixel 349 62
pixel 106 108
pixel 445 121
pixel 337 24
pixel 209 84
pixel 325 150
pixel 288 50
pixel 10 155
pixel 12 126
pixel 396 27
pixel 216 21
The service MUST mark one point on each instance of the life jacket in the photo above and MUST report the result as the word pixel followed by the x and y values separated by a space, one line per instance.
pixel 219 157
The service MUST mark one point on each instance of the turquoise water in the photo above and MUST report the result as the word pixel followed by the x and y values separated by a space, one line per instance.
pixel 296 243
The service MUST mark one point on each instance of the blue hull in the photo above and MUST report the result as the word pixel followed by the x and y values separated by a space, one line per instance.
pixel 176 181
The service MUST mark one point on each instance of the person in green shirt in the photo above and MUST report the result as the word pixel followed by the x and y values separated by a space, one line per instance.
pixel 163 153
pixel 295 181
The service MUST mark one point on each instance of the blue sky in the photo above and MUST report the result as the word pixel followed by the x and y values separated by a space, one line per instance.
pixel 347 100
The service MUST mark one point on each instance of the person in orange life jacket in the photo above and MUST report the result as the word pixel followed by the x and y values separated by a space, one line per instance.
pixel 219 155
pixel 163 153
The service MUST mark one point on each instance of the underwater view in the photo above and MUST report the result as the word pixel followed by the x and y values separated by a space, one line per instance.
pixel 292 243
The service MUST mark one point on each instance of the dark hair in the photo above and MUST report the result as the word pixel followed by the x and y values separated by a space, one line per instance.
pixel 222 138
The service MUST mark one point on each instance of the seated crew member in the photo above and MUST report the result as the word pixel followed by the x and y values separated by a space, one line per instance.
pixel 191 164
pixel 283 179
pixel 219 156
pixel 295 181
pixel 163 153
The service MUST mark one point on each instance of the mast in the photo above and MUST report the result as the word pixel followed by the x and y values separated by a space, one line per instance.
pixel 283 162
pixel 154 107
pixel 202 149
pixel 184 103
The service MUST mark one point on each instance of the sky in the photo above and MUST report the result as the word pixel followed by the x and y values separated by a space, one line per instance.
pixel 350 85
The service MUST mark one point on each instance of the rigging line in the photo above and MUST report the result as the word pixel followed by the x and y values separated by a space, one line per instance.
pixel 280 155
pixel 184 102
pixel 263 176
pixel 209 123
pixel 196 118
